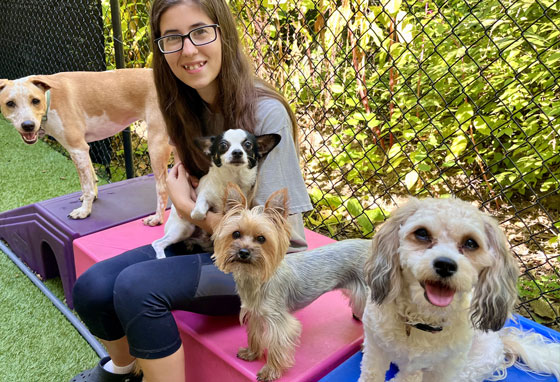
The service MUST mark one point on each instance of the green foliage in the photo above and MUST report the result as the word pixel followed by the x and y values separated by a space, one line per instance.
pixel 406 96
pixel 135 28
pixel 457 90
pixel 532 289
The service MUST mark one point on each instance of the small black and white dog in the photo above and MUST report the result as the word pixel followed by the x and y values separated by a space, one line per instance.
pixel 234 155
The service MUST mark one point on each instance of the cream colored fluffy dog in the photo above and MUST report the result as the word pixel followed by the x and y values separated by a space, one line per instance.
pixel 443 283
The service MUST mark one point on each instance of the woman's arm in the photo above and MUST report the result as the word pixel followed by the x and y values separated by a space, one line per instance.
pixel 181 192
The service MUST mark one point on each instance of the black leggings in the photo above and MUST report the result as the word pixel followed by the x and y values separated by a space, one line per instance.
pixel 134 293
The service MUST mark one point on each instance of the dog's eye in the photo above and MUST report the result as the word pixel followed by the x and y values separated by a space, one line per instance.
pixel 236 234
pixel 261 239
pixel 11 104
pixel 224 146
pixel 422 234
pixel 470 244
pixel 35 101
pixel 247 145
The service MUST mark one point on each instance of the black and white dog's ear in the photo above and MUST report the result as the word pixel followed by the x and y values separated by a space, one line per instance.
pixel 204 144
pixel 266 142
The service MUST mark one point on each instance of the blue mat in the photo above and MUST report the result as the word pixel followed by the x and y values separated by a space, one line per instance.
pixel 349 371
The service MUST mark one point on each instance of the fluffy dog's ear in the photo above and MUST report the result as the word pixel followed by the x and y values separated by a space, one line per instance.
pixel 277 203
pixel 266 142
pixel 3 83
pixel 234 198
pixel 495 293
pixel 382 269
pixel 204 144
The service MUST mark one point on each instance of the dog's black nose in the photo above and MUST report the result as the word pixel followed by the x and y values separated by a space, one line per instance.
pixel 244 254
pixel 445 267
pixel 28 125
pixel 237 154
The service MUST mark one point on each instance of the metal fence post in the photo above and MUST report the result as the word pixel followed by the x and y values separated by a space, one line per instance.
pixel 119 61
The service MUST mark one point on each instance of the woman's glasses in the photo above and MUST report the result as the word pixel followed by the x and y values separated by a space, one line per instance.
pixel 199 36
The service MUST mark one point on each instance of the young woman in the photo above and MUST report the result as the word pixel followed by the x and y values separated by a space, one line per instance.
pixel 205 86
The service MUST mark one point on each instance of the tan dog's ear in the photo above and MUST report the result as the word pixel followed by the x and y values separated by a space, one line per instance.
pixel 41 82
pixel 495 293
pixel 234 198
pixel 382 268
pixel 277 203
pixel 3 83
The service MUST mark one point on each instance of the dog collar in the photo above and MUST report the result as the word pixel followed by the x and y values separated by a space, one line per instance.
pixel 428 328
pixel 45 116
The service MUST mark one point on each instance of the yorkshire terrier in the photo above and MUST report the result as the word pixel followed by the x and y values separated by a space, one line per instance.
pixel 251 243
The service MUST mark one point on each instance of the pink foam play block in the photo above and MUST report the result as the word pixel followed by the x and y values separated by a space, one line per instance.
pixel 330 335
pixel 90 249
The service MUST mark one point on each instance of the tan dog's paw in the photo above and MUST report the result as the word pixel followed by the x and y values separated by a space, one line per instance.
pixel 152 220
pixel 268 373
pixel 94 197
pixel 80 213
pixel 247 354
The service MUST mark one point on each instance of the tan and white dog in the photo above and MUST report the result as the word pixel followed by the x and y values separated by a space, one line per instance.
pixel 80 107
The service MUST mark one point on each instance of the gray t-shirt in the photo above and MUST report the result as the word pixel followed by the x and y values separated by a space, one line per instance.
pixel 280 168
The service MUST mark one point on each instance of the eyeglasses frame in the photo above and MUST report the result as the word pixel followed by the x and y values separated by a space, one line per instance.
pixel 187 35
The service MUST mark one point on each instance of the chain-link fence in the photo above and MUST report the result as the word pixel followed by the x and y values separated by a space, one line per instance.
pixel 399 98
pixel 425 98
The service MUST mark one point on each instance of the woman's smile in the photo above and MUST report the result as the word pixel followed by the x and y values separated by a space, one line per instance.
pixel 194 67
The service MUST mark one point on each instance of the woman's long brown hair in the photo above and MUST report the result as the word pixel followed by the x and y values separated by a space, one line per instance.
pixel 238 90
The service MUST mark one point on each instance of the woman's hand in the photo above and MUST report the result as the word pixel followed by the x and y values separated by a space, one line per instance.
pixel 180 189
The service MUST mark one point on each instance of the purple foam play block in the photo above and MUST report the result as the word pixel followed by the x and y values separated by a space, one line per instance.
pixel 41 234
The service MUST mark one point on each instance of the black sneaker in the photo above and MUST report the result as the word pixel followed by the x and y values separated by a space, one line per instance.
pixel 99 374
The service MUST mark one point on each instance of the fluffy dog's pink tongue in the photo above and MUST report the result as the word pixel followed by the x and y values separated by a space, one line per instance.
pixel 438 294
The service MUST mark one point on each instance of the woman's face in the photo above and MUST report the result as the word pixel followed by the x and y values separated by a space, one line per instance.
pixel 196 66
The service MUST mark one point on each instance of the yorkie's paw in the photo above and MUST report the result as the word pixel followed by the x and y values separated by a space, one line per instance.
pixel 247 354
pixel 268 373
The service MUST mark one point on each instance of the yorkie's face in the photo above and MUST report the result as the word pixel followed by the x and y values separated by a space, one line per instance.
pixel 251 242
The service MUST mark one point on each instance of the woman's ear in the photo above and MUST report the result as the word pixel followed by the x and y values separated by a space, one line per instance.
pixel 382 269
pixel 495 293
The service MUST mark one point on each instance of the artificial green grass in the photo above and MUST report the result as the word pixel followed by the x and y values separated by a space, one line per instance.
pixel 37 343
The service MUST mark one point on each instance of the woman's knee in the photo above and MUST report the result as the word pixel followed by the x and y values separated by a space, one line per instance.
pixel 134 292
pixel 93 291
